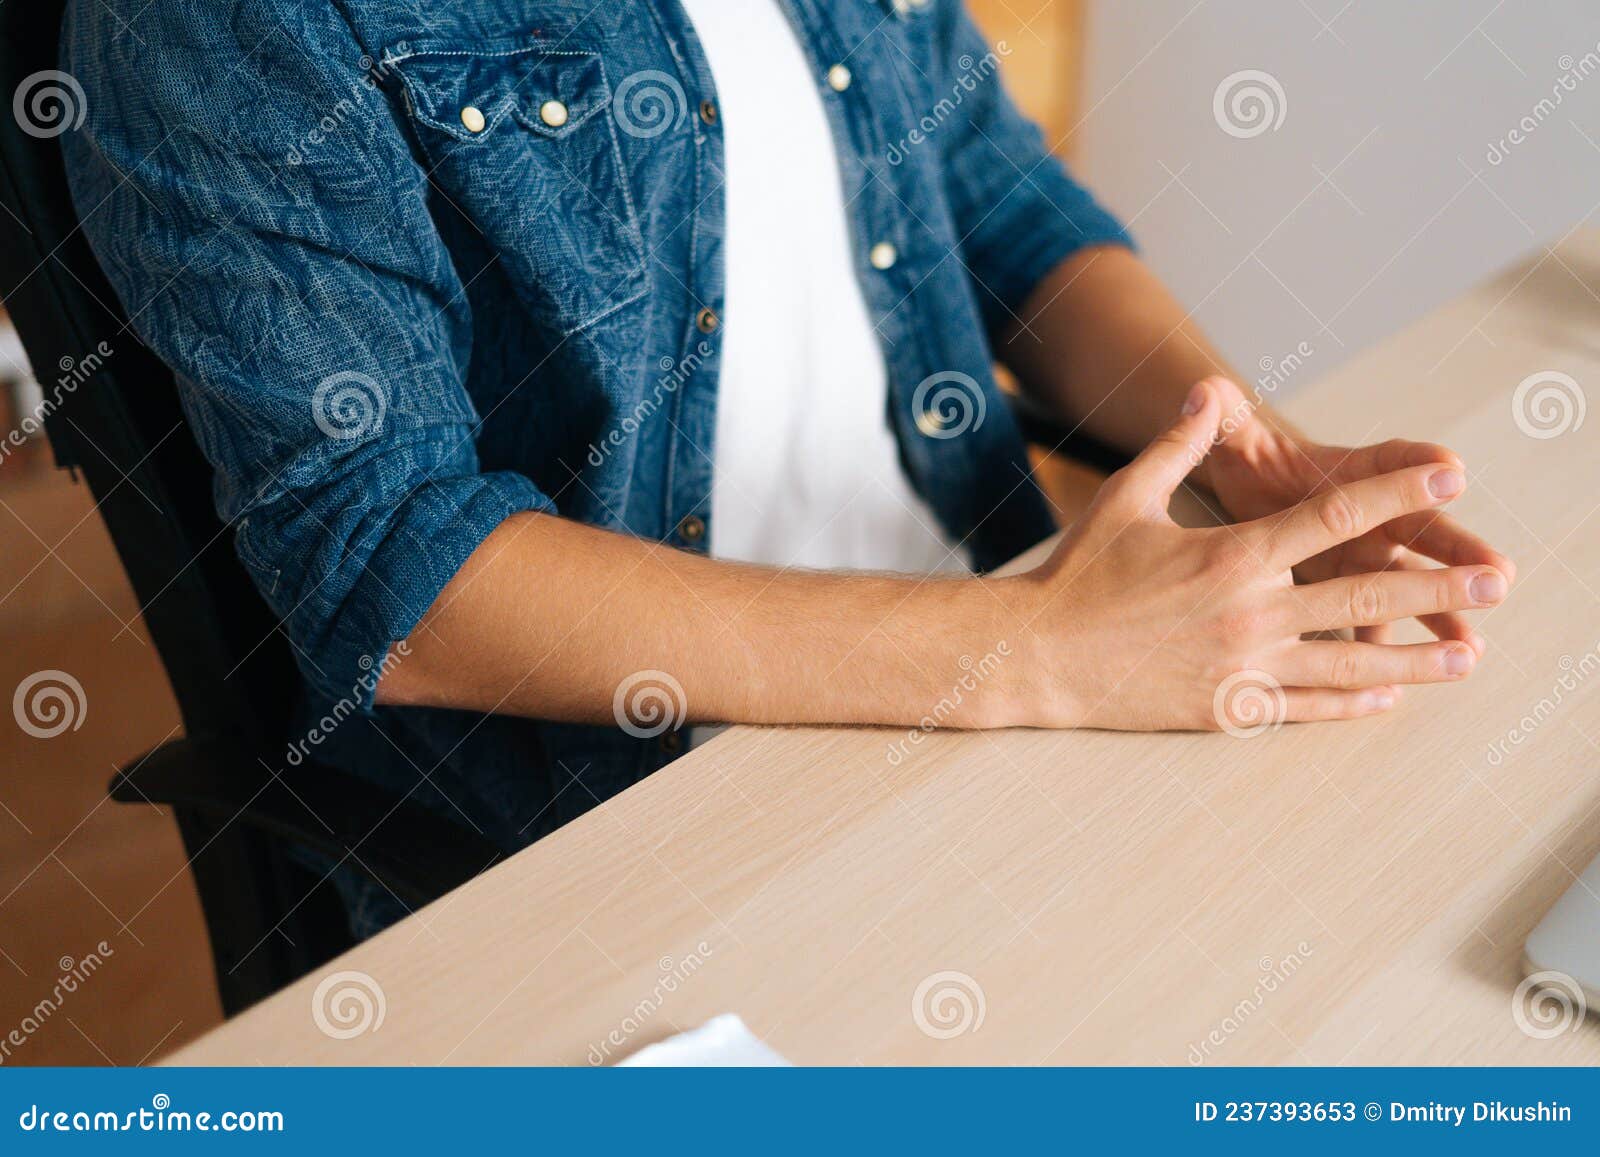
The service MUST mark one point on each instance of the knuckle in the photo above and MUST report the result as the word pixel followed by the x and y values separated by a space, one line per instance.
pixel 1340 514
pixel 1368 602
pixel 1344 670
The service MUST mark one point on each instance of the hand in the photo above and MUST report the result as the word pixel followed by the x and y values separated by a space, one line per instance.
pixel 1142 620
pixel 1257 470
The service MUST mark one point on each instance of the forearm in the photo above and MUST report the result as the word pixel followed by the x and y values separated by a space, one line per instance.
pixel 549 617
pixel 1104 344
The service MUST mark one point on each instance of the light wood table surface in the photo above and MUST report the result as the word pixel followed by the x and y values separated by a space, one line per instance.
pixel 1102 897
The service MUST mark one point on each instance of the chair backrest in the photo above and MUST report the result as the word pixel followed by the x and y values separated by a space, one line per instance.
pixel 115 417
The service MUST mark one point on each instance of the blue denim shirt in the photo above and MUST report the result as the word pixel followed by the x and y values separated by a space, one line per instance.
pixel 421 266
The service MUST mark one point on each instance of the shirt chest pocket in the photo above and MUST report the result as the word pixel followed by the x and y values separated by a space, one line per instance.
pixel 520 139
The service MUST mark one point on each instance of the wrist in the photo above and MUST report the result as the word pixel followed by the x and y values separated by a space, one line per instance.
pixel 1009 660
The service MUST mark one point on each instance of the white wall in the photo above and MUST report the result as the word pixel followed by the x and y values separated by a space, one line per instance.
pixel 1375 199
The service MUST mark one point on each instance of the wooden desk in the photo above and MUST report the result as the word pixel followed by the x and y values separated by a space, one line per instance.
pixel 1116 898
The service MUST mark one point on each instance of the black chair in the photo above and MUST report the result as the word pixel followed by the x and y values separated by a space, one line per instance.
pixel 270 919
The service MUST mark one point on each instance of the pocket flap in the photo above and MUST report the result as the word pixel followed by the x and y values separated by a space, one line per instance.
pixel 502 83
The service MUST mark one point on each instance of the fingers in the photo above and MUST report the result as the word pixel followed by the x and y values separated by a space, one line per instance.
pixel 1314 704
pixel 1351 666
pixel 1150 479
pixel 1440 537
pixel 1450 626
pixel 1340 514
pixel 1373 599
pixel 1387 457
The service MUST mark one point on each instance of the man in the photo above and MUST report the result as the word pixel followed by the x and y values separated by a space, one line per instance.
pixel 540 344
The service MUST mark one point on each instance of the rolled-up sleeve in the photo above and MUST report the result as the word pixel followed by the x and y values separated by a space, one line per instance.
pixel 1017 211
pixel 252 198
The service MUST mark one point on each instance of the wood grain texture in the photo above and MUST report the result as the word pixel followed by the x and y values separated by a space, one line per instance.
pixel 1116 898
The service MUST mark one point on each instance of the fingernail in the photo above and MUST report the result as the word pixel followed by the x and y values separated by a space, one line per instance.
pixel 1446 483
pixel 1488 588
pixel 1458 661
pixel 1196 399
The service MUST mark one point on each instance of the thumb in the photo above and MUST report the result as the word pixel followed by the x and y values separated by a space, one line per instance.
pixel 1153 477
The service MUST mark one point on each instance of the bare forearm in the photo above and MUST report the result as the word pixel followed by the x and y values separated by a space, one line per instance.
pixel 549 617
pixel 1104 343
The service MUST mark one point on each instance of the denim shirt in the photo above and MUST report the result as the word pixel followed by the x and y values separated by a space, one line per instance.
pixel 419 267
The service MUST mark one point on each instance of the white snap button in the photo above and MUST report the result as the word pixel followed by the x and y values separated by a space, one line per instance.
pixel 838 78
pixel 473 118
pixel 883 255
pixel 553 113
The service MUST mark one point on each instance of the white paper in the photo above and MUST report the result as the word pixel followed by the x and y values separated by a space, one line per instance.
pixel 722 1042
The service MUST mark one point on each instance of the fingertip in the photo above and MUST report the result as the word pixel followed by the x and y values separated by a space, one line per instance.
pixel 1479 645
pixel 1459 660
pixel 1447 483
pixel 1198 398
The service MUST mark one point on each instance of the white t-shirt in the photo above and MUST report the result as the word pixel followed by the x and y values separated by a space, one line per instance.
pixel 806 471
